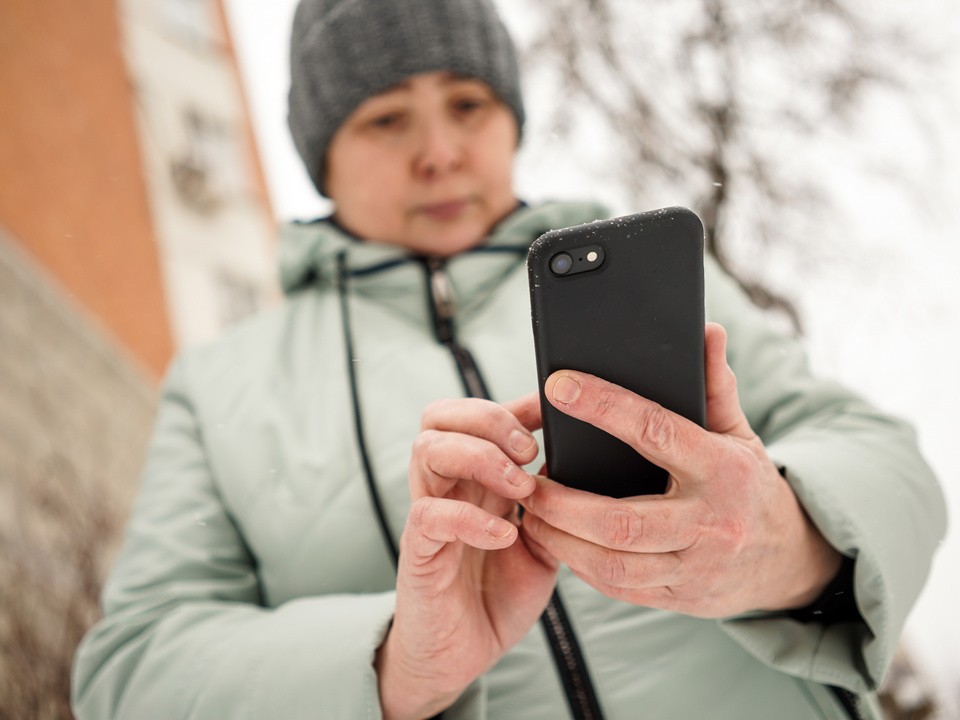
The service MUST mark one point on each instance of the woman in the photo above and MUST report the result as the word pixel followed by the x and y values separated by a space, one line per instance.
pixel 265 573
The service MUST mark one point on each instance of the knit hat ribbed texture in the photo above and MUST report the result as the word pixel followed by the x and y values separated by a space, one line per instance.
pixel 344 51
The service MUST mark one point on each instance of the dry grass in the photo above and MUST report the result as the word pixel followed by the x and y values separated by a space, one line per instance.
pixel 74 420
pixel 53 567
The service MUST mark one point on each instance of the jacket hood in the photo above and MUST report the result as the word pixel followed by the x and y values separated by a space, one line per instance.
pixel 309 251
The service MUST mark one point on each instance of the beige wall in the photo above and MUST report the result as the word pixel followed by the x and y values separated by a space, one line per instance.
pixel 209 211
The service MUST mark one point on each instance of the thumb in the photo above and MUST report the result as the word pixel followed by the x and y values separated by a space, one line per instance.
pixel 724 414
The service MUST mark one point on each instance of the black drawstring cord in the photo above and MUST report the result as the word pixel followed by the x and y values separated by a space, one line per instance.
pixel 375 499
pixel 357 422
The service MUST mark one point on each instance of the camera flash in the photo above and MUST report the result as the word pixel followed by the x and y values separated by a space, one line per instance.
pixel 592 256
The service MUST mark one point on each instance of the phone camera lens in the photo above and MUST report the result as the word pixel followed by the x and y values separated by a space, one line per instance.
pixel 561 263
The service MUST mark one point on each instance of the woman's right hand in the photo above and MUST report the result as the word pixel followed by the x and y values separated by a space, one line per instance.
pixel 470 584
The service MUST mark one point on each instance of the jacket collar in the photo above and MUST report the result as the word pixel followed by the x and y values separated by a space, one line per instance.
pixel 309 253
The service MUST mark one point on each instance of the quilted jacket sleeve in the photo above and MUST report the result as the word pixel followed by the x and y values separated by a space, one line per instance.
pixel 185 634
pixel 859 476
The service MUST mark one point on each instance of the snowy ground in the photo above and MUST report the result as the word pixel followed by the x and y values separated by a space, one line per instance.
pixel 883 315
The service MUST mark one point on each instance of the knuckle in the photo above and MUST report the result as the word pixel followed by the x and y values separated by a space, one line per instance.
pixel 677 565
pixel 655 428
pixel 611 569
pixel 723 380
pixel 621 527
pixel 489 412
pixel 422 451
pixel 730 379
pixel 419 447
pixel 734 533
pixel 483 465
pixel 424 441
pixel 496 421
pixel 417 517
pixel 434 410
pixel 460 517
pixel 607 406
pixel 473 470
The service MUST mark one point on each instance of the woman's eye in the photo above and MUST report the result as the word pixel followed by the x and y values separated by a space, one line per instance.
pixel 466 106
pixel 388 121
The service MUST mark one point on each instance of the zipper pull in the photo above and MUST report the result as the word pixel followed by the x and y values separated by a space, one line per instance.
pixel 442 305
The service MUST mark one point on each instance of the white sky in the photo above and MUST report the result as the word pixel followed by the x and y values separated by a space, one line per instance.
pixel 885 319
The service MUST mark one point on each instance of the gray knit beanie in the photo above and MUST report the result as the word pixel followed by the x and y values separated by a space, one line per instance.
pixel 344 51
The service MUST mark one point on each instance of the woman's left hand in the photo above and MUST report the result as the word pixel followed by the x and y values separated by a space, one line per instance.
pixel 469 584
pixel 729 535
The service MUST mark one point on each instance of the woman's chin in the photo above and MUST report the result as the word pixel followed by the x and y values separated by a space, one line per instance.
pixel 450 240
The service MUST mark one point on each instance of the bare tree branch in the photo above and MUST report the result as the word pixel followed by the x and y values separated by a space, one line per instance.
pixel 699 98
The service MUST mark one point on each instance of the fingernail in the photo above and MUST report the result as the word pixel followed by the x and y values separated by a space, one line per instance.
pixel 566 390
pixel 521 442
pixel 499 528
pixel 516 476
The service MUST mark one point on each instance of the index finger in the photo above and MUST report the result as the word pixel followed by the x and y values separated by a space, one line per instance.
pixel 665 438
pixel 647 523
pixel 484 419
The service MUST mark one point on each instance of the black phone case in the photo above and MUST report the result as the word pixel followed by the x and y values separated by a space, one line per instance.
pixel 636 320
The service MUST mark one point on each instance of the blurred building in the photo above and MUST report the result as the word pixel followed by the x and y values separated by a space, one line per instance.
pixel 208 200
pixel 133 221
pixel 127 167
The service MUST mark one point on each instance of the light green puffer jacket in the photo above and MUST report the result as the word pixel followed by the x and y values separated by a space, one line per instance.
pixel 254 581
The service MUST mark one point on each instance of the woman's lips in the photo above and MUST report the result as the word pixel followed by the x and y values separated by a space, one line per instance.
pixel 449 210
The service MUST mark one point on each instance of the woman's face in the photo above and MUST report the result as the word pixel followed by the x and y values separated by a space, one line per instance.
pixel 427 165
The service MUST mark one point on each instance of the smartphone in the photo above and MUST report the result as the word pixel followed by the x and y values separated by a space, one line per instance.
pixel 621 299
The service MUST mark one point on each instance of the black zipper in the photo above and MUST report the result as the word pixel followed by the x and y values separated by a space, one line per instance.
pixel 567 655
pixel 442 310
pixel 569 660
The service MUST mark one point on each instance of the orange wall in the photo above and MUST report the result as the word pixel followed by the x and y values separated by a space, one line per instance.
pixel 71 180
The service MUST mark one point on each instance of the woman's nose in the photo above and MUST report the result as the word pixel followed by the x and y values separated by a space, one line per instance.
pixel 441 149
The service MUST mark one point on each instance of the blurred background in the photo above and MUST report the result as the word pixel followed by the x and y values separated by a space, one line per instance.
pixel 145 164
